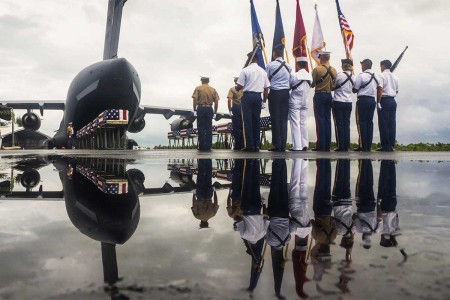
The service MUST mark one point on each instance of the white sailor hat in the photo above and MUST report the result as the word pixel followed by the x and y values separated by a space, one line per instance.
pixel 322 52
pixel 301 58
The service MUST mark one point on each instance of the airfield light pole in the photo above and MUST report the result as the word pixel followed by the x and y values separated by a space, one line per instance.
pixel 13 119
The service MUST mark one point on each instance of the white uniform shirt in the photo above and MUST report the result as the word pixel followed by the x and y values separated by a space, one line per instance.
pixel 389 83
pixel 253 78
pixel 343 213
pixel 300 93
pixel 344 93
pixel 253 228
pixel 281 80
pixel 371 89
pixel 280 227
pixel 368 218
pixel 390 223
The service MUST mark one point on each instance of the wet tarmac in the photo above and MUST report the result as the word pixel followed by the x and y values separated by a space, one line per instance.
pixel 224 225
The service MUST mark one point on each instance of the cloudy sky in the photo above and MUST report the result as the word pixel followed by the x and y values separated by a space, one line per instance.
pixel 45 43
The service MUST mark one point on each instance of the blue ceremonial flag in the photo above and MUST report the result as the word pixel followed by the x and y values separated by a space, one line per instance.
pixel 279 39
pixel 257 35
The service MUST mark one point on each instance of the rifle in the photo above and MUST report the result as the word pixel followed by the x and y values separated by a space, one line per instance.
pixel 250 58
pixel 394 66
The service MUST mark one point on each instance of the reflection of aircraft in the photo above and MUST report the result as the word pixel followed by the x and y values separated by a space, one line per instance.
pixel 109 84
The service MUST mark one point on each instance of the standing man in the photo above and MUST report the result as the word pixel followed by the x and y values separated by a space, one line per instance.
pixel 323 80
pixel 253 80
pixel 279 74
pixel 366 86
pixel 387 106
pixel 70 135
pixel 203 98
pixel 342 105
pixel 234 107
pixel 298 107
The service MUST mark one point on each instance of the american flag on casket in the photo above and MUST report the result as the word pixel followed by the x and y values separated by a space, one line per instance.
pixel 225 128
pixel 112 186
pixel 225 175
pixel 265 179
pixel 108 185
pixel 113 116
pixel 265 122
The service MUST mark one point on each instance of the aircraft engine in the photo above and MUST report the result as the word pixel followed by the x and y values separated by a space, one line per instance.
pixel 31 121
pixel 30 178
pixel 181 123
pixel 137 125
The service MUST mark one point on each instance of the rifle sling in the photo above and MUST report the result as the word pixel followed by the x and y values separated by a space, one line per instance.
pixel 282 64
pixel 326 75
pixel 300 83
pixel 349 77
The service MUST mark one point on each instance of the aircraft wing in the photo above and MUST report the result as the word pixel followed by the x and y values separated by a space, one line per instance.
pixel 34 104
pixel 168 112
pixel 36 196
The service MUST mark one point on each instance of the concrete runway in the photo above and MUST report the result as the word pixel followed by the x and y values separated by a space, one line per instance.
pixel 229 154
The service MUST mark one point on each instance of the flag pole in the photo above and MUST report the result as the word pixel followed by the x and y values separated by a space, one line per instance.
pixel 309 52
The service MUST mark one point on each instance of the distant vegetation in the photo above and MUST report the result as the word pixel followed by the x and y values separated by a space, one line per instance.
pixel 420 147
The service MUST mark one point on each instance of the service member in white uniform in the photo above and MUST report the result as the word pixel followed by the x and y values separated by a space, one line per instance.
pixel 342 104
pixel 366 86
pixel 298 105
pixel 253 80
pixel 279 74
pixel 387 107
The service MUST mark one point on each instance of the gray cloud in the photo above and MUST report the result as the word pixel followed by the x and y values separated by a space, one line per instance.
pixel 44 45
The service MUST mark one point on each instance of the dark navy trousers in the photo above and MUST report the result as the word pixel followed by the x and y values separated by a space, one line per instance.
pixel 251 194
pixel 387 122
pixel 204 187
pixel 387 183
pixel 341 188
pixel 251 115
pixel 364 187
pixel 204 126
pixel 322 191
pixel 279 111
pixel 365 108
pixel 236 109
pixel 341 115
pixel 322 113
pixel 278 195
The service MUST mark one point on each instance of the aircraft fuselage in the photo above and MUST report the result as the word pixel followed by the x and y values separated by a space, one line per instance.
pixel 108 84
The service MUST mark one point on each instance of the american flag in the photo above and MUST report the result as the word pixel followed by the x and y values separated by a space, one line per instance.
pixel 225 128
pixel 113 187
pixel 117 114
pixel 265 122
pixel 346 31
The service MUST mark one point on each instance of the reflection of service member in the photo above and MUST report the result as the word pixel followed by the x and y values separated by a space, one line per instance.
pixel 323 80
pixel 387 196
pixel 253 80
pixel 366 219
pixel 387 106
pixel 202 206
pixel 342 105
pixel 70 133
pixel 203 98
pixel 298 107
pixel 234 106
pixel 366 85
pixel 279 74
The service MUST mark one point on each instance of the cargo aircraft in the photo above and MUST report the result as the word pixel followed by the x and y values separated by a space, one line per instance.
pixel 112 83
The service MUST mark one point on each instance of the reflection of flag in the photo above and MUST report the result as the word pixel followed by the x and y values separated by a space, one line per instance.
pixel 318 42
pixel 257 35
pixel 347 33
pixel 278 35
pixel 299 48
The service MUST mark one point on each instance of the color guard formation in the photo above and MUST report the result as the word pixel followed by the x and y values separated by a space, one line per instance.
pixel 287 91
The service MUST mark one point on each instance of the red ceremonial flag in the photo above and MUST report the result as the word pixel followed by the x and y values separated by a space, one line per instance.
pixel 299 48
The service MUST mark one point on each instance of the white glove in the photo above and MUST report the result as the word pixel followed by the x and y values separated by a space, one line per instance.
pixel 263 105
pixel 214 116
pixel 231 113
pixel 195 113
pixel 379 106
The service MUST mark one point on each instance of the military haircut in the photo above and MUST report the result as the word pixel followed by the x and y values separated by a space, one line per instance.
pixel 302 64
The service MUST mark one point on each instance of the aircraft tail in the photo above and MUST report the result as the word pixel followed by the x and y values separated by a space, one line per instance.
pixel 113 28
